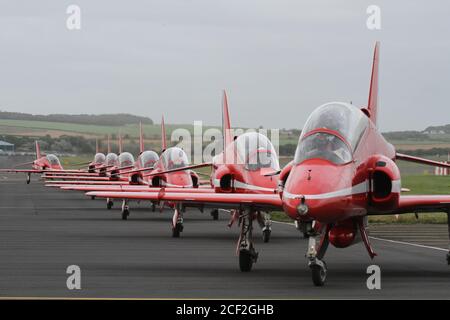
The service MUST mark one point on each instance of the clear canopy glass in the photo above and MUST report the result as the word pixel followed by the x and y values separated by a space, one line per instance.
pixel 256 151
pixel 99 158
pixel 53 160
pixel 148 159
pixel 349 121
pixel 111 159
pixel 126 159
pixel 175 158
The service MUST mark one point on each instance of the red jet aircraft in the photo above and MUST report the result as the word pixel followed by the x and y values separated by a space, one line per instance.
pixel 343 171
pixel 47 164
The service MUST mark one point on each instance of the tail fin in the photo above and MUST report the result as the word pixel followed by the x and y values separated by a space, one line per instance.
pixel 120 142
pixel 163 135
pixel 226 125
pixel 109 144
pixel 373 92
pixel 38 150
pixel 141 139
pixel 96 146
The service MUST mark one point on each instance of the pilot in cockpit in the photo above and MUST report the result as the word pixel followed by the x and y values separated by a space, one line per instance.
pixel 333 146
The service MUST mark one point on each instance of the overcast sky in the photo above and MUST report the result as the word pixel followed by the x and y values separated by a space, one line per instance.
pixel 278 59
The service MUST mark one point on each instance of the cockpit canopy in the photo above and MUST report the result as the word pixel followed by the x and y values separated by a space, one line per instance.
pixel 174 158
pixel 99 158
pixel 111 159
pixel 256 151
pixel 53 160
pixel 126 159
pixel 347 120
pixel 332 132
pixel 148 159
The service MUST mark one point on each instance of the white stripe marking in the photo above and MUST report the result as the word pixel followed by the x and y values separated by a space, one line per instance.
pixel 381 239
pixel 409 244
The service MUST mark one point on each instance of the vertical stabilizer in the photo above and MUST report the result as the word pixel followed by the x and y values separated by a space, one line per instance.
pixel 141 139
pixel 96 146
pixel 372 104
pixel 109 144
pixel 38 150
pixel 120 142
pixel 163 135
pixel 226 124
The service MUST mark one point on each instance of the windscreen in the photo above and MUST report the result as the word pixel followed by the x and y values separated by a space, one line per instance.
pixel 323 145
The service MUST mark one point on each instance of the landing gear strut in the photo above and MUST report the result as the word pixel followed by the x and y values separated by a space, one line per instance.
pixel 265 223
pixel 125 210
pixel 316 253
pixel 247 252
pixel 28 178
pixel 109 203
pixel 177 222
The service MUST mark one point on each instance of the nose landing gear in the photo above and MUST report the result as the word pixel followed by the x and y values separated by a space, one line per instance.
pixel 265 223
pixel 247 252
pixel 177 222
pixel 109 203
pixel 316 253
pixel 125 210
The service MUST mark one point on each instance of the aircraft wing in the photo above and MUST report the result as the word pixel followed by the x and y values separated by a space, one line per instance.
pixel 76 178
pixel 405 157
pixel 59 183
pixel 209 199
pixel 21 170
pixel 131 188
pixel 421 203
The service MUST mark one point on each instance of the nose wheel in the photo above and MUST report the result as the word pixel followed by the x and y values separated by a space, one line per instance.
pixel 318 272
pixel 316 253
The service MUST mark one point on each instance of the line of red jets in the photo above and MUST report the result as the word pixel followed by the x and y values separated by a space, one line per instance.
pixel 342 172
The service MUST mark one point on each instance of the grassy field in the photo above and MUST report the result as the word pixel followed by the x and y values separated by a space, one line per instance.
pixel 23 127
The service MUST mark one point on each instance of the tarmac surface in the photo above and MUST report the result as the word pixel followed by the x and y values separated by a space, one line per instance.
pixel 44 230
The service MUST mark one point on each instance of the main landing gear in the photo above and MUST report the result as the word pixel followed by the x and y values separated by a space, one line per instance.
pixel 315 253
pixel 247 252
pixel 125 209
pixel 177 222
pixel 265 223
